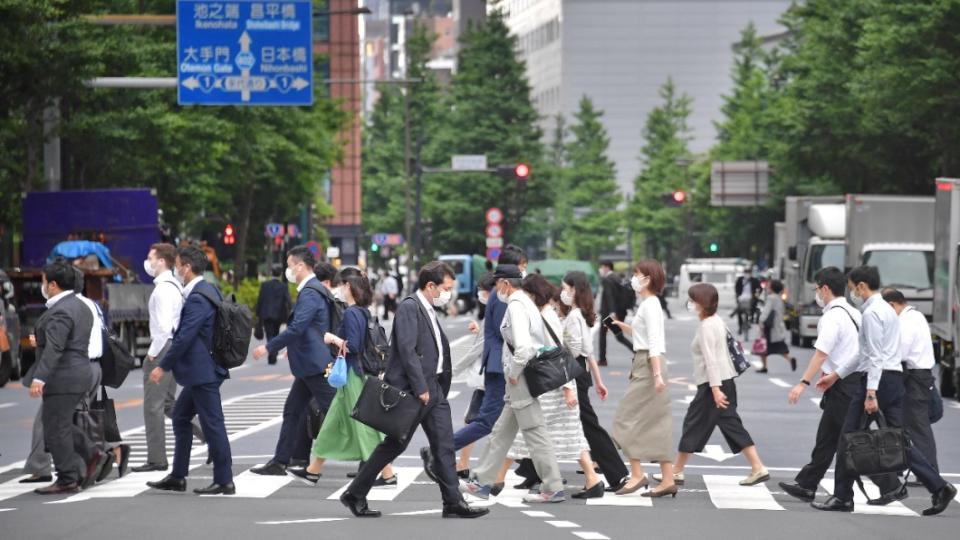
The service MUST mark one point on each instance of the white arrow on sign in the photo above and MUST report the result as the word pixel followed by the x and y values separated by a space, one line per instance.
pixel 245 73
pixel 300 83
pixel 191 83
pixel 715 452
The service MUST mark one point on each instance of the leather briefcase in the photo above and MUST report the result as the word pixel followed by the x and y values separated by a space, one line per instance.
pixel 387 409
pixel 105 412
pixel 878 451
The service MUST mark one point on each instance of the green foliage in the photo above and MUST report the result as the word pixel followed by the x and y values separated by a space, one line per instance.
pixel 247 292
pixel 588 220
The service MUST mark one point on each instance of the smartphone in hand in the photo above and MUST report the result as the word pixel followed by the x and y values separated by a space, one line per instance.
pixel 608 322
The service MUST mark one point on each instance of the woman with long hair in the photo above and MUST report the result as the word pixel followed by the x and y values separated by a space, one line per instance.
pixel 341 437
pixel 642 425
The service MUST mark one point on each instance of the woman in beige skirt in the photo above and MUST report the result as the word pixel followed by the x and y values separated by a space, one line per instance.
pixel 642 426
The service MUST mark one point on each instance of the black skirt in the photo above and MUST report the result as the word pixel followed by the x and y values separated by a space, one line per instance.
pixel 778 347
pixel 703 417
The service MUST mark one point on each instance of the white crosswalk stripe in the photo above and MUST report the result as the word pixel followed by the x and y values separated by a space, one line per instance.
pixel 727 493
pixel 860 505
pixel 405 477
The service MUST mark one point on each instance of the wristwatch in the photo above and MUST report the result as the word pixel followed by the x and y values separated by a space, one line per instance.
pixel 871 398
pixel 804 382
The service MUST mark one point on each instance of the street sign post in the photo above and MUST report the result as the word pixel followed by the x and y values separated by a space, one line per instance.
pixel 273 230
pixel 244 53
pixel 494 215
pixel 387 239
pixel 469 162
pixel 494 231
pixel 314 248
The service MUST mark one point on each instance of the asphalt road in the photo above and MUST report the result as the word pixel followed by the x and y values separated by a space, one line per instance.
pixel 709 505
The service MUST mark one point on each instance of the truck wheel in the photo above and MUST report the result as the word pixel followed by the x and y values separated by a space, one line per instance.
pixel 6 368
pixel 794 338
pixel 948 386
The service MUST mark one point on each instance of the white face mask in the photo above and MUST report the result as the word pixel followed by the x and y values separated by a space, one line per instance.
pixel 639 283
pixel 149 269
pixel 819 300
pixel 482 297
pixel 566 297
pixel 443 299
pixel 855 298
pixel 44 293
pixel 290 275
pixel 691 306
pixel 503 297
pixel 338 294
pixel 180 278
pixel 523 274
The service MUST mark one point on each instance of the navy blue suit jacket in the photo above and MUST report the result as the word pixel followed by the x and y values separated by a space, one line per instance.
pixel 303 337
pixel 492 339
pixel 190 355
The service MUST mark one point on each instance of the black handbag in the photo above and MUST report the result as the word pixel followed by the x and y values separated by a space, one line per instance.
pixel 89 423
pixel 116 361
pixel 474 409
pixel 878 451
pixel 740 362
pixel 105 412
pixel 387 409
pixel 552 368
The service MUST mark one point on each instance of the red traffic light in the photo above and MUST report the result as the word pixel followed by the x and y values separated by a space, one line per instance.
pixel 679 197
pixel 522 171
pixel 228 231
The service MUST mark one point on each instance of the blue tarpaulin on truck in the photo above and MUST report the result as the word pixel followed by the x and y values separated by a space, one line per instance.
pixel 78 249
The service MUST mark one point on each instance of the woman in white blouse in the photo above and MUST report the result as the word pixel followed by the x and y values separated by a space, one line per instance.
pixel 715 404
pixel 642 426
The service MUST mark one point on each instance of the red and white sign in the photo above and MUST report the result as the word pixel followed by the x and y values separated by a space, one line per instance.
pixel 494 231
pixel 494 242
pixel 494 215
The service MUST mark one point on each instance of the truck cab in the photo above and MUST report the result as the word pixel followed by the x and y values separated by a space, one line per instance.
pixel 945 324
pixel 907 267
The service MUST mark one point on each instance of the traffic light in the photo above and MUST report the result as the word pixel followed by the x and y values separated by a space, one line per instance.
pixel 228 235
pixel 675 198
pixel 519 172
pixel 714 247
pixel 374 247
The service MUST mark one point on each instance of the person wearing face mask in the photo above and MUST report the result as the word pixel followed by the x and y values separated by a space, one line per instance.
pixel 715 404
pixel 773 327
pixel 837 348
pixel 612 302
pixel 273 306
pixel 419 364
pixel 881 388
pixel 525 335
pixel 642 425
pixel 308 356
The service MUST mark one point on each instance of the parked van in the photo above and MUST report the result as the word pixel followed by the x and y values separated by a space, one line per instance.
pixel 721 273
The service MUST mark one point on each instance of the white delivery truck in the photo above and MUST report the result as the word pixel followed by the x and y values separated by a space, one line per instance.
pixel 721 273
pixel 946 284
pixel 895 234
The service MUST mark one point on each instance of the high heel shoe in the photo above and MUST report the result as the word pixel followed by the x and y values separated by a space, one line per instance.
pixel 656 494
pixel 526 484
pixel 626 490
pixel 496 489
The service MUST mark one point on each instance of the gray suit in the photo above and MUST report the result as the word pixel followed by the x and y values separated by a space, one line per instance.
pixel 63 337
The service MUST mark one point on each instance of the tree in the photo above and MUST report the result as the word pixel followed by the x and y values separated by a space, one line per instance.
pixel 489 112
pixel 661 228
pixel 590 222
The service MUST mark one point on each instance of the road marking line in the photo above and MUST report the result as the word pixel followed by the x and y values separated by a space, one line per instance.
pixel 453 394
pixel 957 497
pixel 509 497
pixel 295 521
pixel 7 405
pixel 7 509
pixel 405 477
pixel 128 486
pixel 727 493
pixel 590 535
pixel 538 513
pixel 13 488
pixel 780 382
pixel 12 466
pixel 816 401
pixel 256 486
pixel 860 505
pixel 460 340
pixel 563 524
pixel 757 364
pixel 417 513
pixel 609 499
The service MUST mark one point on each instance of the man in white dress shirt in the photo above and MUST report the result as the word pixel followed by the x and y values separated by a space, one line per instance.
pixel 916 351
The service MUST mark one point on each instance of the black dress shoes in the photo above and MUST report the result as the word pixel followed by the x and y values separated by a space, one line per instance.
pixel 898 494
pixel 618 486
pixel 271 468
pixel 941 499
pixel 37 479
pixel 833 504
pixel 169 483
pixel 594 492
pixel 149 467
pixel 107 467
pixel 358 505
pixel 464 474
pixel 797 491
pixel 124 464
pixel 526 484
pixel 217 489
pixel 428 463
pixel 57 489
pixel 463 510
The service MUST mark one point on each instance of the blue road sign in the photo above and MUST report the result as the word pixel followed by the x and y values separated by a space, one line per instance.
pixel 244 52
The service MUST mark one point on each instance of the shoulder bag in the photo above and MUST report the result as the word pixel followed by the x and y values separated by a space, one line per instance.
pixel 552 368
pixel 878 451
pixel 387 409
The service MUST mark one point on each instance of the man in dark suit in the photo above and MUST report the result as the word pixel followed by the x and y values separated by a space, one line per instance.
pixel 308 355
pixel 62 376
pixel 194 368
pixel 747 290
pixel 610 304
pixel 273 307
pixel 419 364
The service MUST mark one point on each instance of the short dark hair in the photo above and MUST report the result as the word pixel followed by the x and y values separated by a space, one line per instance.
pixel 434 272
pixel 343 274
pixel 512 254
pixel 776 286
pixel 654 271
pixel 276 270
pixel 706 296
pixel 79 279
pixel 541 290
pixel 360 287
pixel 166 252
pixel 194 258
pixel 487 282
pixel 894 296
pixel 832 278
pixel 303 254
pixel 325 271
pixel 865 274
pixel 608 264
pixel 60 273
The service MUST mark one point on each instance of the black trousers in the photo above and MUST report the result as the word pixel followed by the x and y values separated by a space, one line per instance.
pixel 63 438
pixel 270 331
pixel 703 417
pixel 603 341
pixel 835 404
pixel 919 384
pixel 438 426
pixel 890 398
pixel 295 407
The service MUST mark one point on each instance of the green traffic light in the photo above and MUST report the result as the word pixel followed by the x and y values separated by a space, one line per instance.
pixel 714 247
pixel 374 248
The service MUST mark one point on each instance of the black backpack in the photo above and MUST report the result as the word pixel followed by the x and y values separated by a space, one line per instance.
pixel 232 330
pixel 336 312
pixel 376 347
